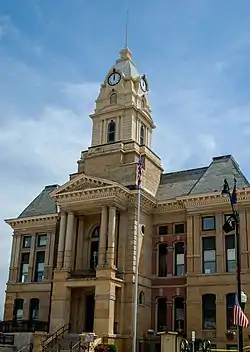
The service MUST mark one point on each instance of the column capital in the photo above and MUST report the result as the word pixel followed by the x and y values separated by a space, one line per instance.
pixel 71 213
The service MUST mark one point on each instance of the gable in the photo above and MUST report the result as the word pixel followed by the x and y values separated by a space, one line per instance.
pixel 81 183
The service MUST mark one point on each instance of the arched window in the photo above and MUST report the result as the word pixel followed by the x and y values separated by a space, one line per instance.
pixel 34 309
pixel 162 259
pixel 161 314
pixel 230 297
pixel 179 269
pixel 142 135
pixel 111 131
pixel 113 98
pixel 141 298
pixel 179 314
pixel 94 247
pixel 18 309
pixel 209 311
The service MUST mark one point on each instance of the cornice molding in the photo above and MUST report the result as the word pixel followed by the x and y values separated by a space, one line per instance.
pixel 33 221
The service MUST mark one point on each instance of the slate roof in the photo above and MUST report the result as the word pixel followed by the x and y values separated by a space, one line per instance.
pixel 201 180
pixel 43 204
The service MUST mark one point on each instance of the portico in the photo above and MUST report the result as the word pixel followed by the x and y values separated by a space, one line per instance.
pixel 87 260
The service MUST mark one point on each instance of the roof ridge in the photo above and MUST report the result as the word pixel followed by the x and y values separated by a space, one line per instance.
pixel 200 178
pixel 187 170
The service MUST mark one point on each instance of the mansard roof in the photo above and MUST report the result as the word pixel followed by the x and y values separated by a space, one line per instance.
pixel 43 204
pixel 201 180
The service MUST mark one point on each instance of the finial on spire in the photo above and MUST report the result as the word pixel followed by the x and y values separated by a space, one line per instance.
pixel 126 34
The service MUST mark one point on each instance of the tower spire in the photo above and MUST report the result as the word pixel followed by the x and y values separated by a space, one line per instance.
pixel 126 53
pixel 126 33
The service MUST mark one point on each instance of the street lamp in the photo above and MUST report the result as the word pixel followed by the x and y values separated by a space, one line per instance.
pixel 233 223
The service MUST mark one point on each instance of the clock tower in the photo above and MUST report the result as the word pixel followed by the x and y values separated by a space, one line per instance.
pixel 122 129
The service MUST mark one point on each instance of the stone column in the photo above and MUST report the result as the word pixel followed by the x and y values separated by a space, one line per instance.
pixel 111 236
pixel 68 241
pixel 103 236
pixel 32 258
pixel 62 233
pixel 16 257
pixel 51 254
pixel 47 254
pixel 12 257
pixel 220 244
pixel 104 308
pixel 79 249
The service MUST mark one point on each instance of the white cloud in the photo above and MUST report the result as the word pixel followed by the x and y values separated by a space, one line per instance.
pixel 39 149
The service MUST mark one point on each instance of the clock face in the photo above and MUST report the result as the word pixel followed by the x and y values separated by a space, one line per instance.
pixel 114 78
pixel 144 85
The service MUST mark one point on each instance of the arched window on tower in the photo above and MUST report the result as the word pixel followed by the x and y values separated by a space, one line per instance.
pixel 142 132
pixel 94 247
pixel 111 131
pixel 113 98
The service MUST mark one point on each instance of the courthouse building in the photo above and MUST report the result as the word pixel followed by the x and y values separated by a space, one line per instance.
pixel 73 251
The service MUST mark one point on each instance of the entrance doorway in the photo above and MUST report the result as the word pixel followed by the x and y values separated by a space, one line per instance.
pixel 90 312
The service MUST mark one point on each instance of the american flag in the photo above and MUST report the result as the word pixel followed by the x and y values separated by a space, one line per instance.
pixel 139 170
pixel 239 316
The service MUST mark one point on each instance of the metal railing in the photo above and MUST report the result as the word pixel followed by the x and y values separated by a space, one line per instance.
pixel 52 340
pixel 23 326
pixel 6 339
pixel 82 274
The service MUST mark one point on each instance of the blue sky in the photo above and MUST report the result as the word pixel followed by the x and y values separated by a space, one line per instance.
pixel 55 54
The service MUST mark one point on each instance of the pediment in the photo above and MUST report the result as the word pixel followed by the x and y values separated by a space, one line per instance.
pixel 81 183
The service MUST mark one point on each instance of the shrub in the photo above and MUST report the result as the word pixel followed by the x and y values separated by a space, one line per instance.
pixel 101 348
pixel 112 348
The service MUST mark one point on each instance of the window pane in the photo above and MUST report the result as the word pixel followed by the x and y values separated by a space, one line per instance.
pixel 42 240
pixel 231 254
pixel 231 266
pixel 230 241
pixel 163 230
pixel 179 228
pixel 180 270
pixel 209 267
pixel 26 241
pixel 209 256
pixel 180 259
pixel 208 243
pixel 208 223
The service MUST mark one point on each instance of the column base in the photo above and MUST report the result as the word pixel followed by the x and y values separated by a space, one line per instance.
pixel 106 272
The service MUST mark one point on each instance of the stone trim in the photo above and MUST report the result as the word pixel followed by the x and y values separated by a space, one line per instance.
pixel 41 220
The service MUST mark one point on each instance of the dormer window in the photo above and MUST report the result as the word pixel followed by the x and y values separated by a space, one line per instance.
pixel 142 135
pixel 111 131
pixel 113 99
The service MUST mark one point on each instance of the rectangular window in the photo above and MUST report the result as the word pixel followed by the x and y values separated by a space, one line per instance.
pixel 208 223
pixel 42 240
pixel 26 241
pixel 179 228
pixel 162 259
pixel 163 230
pixel 24 267
pixel 179 259
pixel 230 253
pixel 209 254
pixel 232 347
pixel 18 310
pixel 39 272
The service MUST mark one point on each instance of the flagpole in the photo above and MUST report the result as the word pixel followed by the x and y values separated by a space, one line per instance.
pixel 136 264
pixel 233 202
